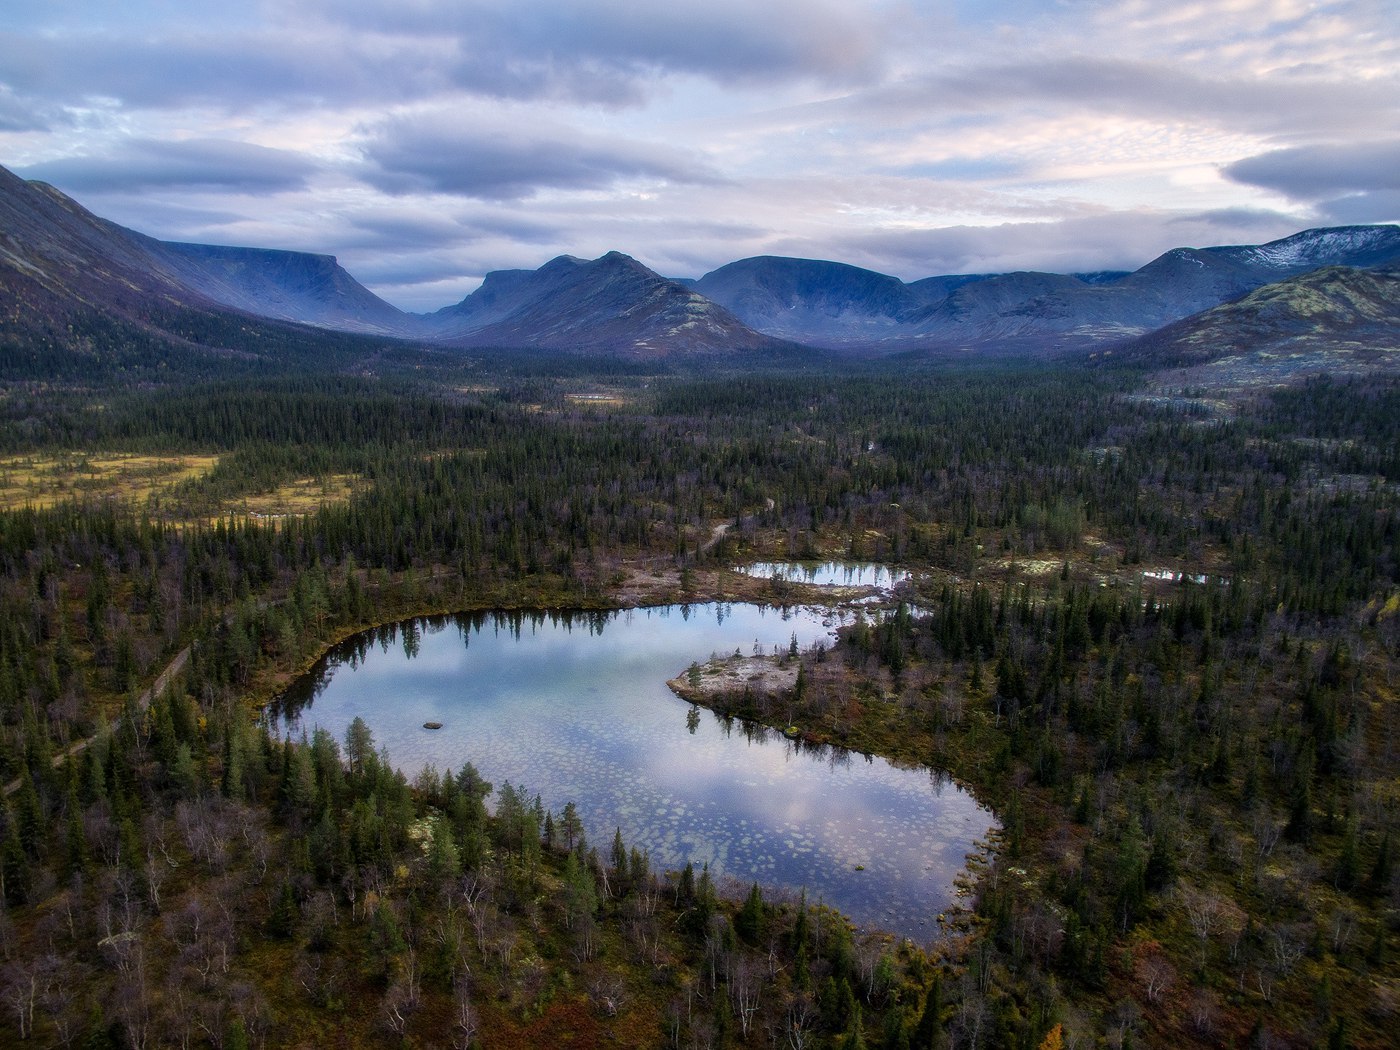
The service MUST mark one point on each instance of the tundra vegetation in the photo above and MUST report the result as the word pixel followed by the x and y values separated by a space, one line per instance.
pixel 1197 781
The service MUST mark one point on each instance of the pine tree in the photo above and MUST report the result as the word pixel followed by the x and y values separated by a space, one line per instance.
pixel 928 1033
pixel 1300 801
pixel 14 865
pixel 1380 870
pixel 748 923
pixel 855 1034
pixel 282 921
pixel 1348 863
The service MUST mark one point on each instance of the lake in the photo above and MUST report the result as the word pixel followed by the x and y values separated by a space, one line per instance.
pixel 576 708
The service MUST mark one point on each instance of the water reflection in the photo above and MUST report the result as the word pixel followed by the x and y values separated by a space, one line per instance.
pixel 827 574
pixel 575 706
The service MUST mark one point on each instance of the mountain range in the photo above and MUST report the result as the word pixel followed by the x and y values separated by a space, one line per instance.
pixel 62 268
pixel 834 305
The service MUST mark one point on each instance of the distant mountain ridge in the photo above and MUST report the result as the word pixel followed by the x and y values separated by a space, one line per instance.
pixel 834 305
pixel 813 300
pixel 286 285
pixel 74 282
pixel 57 261
pixel 610 303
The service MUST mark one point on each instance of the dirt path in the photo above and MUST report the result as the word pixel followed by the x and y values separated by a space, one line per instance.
pixel 717 533
pixel 143 701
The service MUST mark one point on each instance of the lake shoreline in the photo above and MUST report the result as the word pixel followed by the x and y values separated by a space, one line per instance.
pixel 563 759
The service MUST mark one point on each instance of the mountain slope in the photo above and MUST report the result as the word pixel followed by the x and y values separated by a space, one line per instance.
pixel 1330 319
pixel 288 286
pixel 612 304
pixel 1016 306
pixel 65 247
pixel 50 241
pixel 825 303
pixel 1185 281
pixel 1034 308
pixel 82 298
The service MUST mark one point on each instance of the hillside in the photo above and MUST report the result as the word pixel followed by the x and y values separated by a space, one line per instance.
pixel 824 303
pixel 1336 319
pixel 84 299
pixel 287 286
pixel 611 304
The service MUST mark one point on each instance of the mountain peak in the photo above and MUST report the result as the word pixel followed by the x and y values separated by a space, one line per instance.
pixel 612 303
pixel 563 263
pixel 812 300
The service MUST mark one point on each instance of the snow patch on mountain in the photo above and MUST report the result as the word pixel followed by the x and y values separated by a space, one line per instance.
pixel 1313 248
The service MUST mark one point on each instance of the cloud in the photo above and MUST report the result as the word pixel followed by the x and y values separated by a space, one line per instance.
pixel 518 229
pixel 18 113
pixel 410 273
pixel 233 71
pixel 496 158
pixel 334 52
pixel 964 168
pixel 404 228
pixel 1313 172
pixel 1360 208
pixel 1345 182
pixel 412 227
pixel 599 50
pixel 1261 219
pixel 1107 240
pixel 1140 88
pixel 144 164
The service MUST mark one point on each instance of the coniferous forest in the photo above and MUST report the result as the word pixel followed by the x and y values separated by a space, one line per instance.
pixel 1157 631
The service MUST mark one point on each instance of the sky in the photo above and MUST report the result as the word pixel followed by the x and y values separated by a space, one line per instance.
pixel 426 142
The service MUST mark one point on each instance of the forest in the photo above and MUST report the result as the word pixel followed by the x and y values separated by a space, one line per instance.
pixel 1157 630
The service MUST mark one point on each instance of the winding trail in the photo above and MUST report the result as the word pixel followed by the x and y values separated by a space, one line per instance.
pixel 718 532
pixel 174 667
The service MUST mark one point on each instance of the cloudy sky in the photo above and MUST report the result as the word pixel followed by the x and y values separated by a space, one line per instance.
pixel 425 142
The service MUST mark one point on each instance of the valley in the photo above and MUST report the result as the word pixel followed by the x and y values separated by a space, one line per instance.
pixel 1147 614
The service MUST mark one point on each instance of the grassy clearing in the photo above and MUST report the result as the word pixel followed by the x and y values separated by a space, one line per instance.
pixel 156 483
pixel 295 498
pixel 601 400
pixel 44 480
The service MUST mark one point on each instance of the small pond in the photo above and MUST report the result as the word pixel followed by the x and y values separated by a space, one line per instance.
pixel 827 574
pixel 576 707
